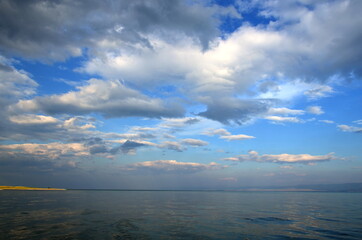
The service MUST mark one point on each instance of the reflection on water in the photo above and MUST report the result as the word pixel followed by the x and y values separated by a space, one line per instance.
pixel 179 215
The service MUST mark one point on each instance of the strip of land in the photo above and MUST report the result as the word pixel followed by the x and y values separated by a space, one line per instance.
pixel 28 188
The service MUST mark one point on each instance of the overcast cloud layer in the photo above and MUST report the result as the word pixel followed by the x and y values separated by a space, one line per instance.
pixel 97 86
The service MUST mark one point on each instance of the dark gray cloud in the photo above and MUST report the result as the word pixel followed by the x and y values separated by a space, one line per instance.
pixel 29 163
pixel 231 110
pixel 127 147
pixel 55 30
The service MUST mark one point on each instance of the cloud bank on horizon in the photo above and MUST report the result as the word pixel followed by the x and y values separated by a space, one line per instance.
pixel 181 91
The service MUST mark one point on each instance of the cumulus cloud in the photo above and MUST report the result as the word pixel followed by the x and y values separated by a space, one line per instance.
pixel 172 166
pixel 132 41
pixel 283 158
pixel 317 110
pixel 236 137
pixel 110 98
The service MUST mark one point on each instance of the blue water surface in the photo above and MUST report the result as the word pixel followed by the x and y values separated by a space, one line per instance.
pixel 89 214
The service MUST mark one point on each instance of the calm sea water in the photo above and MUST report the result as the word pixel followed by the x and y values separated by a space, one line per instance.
pixel 179 215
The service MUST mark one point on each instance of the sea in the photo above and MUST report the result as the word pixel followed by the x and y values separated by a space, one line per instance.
pixel 115 214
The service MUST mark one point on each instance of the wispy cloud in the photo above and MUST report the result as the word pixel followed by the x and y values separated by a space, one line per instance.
pixel 172 166
pixel 194 142
pixel 279 119
pixel 282 158
pixel 317 110
pixel 237 137
pixel 347 128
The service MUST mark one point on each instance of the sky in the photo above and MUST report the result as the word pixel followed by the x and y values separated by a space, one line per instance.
pixel 182 94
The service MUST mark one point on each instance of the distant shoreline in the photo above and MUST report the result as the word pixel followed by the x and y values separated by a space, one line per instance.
pixel 30 188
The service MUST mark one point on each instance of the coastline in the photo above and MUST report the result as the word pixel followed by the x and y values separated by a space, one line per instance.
pixel 30 188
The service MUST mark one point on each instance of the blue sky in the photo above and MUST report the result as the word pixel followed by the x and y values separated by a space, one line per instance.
pixel 180 94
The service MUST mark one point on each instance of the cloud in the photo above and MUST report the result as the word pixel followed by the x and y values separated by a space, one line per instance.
pixel 220 132
pixel 135 44
pixel 50 32
pixel 317 110
pixel 171 145
pixel 358 121
pixel 44 128
pixel 347 128
pixel 278 119
pixel 172 166
pixel 32 164
pixel 285 111
pixel 178 122
pixel 110 98
pixel 229 110
pixel 283 158
pixel 32 119
pixel 327 121
pixel 319 92
pixel 194 142
pixel 52 150
pixel 15 84
pixel 236 137
pixel 129 147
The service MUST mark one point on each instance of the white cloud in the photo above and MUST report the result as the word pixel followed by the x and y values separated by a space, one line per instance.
pixel 278 119
pixel 220 132
pixel 14 84
pixel 50 150
pixel 110 98
pixel 327 121
pixel 282 158
pixel 358 121
pixel 317 110
pixel 285 111
pixel 172 166
pixel 347 128
pixel 178 122
pixel 146 54
pixel 29 119
pixel 319 92
pixel 236 137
